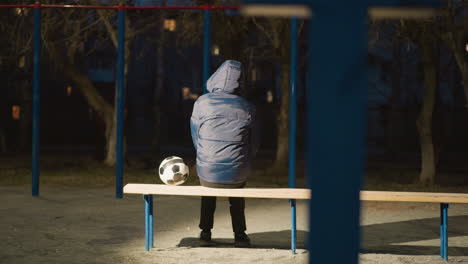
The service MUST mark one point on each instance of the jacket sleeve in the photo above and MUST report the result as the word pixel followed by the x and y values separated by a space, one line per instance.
pixel 254 132
pixel 195 125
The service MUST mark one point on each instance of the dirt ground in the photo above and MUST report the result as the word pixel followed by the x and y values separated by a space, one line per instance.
pixel 76 225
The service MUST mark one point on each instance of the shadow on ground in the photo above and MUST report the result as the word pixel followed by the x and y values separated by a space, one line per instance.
pixel 263 240
pixel 387 238
pixel 378 238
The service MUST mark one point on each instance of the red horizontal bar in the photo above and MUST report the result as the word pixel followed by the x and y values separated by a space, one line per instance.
pixel 17 6
pixel 79 6
pixel 182 7
pixel 121 7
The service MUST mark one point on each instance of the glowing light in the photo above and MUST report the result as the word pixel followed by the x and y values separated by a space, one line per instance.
pixel 21 62
pixel 69 90
pixel 466 47
pixel 269 97
pixel 16 112
pixel 21 11
pixel 170 24
pixel 187 94
pixel 215 50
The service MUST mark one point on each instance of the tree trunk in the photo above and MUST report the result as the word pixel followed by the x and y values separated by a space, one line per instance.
pixel 424 122
pixel 111 141
pixel 281 160
pixel 104 110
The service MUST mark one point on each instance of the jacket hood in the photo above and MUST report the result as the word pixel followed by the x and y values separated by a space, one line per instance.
pixel 226 78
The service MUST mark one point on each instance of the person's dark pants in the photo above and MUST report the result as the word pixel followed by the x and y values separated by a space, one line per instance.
pixel 208 207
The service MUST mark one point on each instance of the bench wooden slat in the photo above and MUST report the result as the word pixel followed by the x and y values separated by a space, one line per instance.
pixel 161 189
pixel 291 193
pixel 424 197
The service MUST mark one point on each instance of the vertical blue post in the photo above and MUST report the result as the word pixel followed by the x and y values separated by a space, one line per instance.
pixel 292 127
pixel 36 97
pixel 336 128
pixel 206 47
pixel 147 220
pixel 120 102
pixel 443 231
pixel 151 233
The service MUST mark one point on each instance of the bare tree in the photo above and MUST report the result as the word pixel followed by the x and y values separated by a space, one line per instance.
pixel 133 27
pixel 276 32
pixel 15 48
pixel 69 36
pixel 423 34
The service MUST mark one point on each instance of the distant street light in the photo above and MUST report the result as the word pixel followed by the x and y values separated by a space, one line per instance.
pixel 215 50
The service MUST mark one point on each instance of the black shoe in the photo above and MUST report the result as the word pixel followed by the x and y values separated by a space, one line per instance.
pixel 241 240
pixel 205 239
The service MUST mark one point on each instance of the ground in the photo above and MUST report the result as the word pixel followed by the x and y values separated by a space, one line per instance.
pixel 88 225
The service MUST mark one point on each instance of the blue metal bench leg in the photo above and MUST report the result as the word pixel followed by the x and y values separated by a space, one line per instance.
pixel 151 233
pixel 443 231
pixel 146 198
pixel 293 226
pixel 148 221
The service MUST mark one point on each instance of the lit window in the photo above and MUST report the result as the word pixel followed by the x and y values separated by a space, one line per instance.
pixel 170 24
pixel 466 47
pixel 69 90
pixel 21 62
pixel 269 97
pixel 21 11
pixel 215 50
pixel 15 112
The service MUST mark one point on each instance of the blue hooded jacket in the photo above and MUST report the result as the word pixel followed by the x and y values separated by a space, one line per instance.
pixel 223 129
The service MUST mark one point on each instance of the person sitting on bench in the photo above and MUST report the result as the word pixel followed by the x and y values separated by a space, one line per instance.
pixel 224 133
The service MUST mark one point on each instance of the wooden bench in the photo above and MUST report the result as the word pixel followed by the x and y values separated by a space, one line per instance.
pixel 148 190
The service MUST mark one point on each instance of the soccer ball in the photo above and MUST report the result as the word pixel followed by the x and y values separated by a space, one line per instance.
pixel 173 171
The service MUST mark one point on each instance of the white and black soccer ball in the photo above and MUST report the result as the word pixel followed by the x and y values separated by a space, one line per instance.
pixel 173 171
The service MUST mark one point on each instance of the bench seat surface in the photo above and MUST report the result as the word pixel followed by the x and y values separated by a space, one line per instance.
pixel 291 193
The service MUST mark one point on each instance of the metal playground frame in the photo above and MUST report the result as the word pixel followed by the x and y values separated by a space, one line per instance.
pixel 336 107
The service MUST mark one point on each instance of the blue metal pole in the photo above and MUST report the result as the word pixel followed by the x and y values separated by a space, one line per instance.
pixel 151 233
pixel 120 103
pixel 147 230
pixel 336 128
pixel 292 127
pixel 36 97
pixel 206 47
pixel 443 231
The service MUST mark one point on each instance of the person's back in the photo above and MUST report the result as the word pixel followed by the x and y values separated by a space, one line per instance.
pixel 222 125
pixel 223 133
